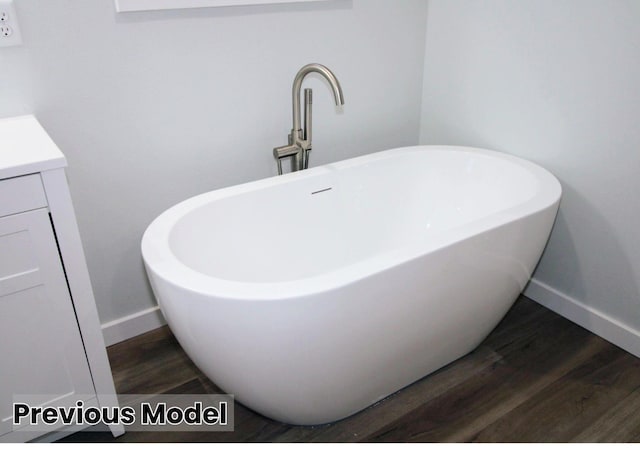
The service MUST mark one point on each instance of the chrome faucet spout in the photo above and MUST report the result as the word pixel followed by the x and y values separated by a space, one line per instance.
pixel 300 137
pixel 297 86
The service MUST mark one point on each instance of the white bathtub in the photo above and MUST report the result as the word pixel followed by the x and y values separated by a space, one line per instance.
pixel 312 295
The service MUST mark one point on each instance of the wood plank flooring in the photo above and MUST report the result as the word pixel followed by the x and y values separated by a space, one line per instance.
pixel 536 378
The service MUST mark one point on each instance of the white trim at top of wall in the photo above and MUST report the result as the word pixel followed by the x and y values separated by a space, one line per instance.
pixel 122 329
pixel 591 319
pixel 123 6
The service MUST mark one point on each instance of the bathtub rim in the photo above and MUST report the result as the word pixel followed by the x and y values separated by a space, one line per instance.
pixel 160 261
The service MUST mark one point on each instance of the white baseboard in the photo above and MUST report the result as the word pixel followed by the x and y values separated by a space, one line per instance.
pixel 130 326
pixel 591 319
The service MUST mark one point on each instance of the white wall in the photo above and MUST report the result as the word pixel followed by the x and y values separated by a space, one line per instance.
pixel 557 82
pixel 151 108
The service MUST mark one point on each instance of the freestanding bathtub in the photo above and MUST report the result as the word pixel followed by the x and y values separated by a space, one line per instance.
pixel 312 295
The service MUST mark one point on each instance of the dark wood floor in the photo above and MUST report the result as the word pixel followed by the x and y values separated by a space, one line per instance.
pixel 536 378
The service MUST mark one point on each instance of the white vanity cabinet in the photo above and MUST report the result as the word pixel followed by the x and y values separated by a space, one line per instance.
pixel 52 352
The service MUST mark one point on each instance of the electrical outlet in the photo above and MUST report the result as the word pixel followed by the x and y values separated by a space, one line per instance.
pixel 9 28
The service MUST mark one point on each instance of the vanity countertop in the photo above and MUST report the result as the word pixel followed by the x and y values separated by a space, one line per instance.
pixel 25 147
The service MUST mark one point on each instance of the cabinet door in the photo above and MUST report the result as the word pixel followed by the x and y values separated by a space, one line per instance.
pixel 41 351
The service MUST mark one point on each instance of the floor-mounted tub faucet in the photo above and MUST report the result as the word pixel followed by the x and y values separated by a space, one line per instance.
pixel 300 138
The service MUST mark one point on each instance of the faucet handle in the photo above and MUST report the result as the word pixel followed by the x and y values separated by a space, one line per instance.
pixel 283 152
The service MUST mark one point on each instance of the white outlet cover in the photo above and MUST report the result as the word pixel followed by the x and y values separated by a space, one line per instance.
pixel 9 29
